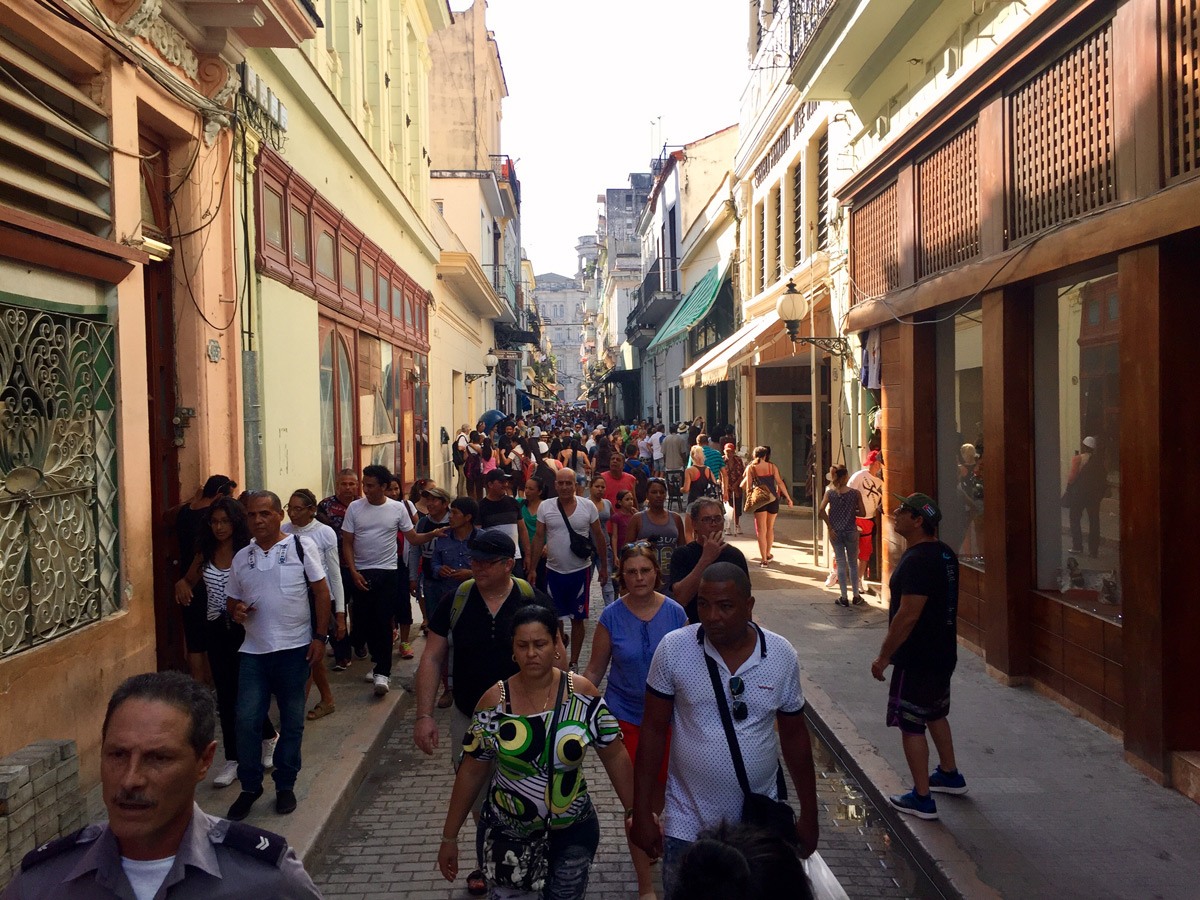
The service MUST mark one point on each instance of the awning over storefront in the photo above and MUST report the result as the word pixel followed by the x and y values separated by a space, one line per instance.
pixel 714 366
pixel 691 309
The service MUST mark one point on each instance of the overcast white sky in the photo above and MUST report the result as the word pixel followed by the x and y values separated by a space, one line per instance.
pixel 586 80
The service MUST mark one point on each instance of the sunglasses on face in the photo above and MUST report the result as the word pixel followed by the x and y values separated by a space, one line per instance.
pixel 711 520
pixel 737 687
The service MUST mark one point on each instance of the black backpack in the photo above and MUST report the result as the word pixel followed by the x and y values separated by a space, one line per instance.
pixel 457 454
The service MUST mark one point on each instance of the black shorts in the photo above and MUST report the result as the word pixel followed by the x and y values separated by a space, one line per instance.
pixel 772 508
pixel 916 698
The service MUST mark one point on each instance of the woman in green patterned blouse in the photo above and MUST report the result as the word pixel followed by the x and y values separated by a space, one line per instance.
pixel 537 792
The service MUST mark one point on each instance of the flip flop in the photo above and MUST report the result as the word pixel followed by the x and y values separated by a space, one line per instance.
pixel 320 711
pixel 446 700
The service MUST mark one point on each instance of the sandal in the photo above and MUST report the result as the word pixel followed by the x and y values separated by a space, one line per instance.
pixel 446 700
pixel 477 883
pixel 320 711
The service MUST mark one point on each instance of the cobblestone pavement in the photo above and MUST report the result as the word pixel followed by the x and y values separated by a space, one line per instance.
pixel 388 846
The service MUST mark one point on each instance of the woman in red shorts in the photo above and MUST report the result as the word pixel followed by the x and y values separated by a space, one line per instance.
pixel 627 636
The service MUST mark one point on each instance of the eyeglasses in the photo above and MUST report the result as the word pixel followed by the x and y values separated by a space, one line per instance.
pixel 711 520
pixel 649 544
pixel 737 687
pixel 901 509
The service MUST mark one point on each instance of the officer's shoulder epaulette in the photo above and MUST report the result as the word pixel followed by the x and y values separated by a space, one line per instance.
pixel 59 846
pixel 258 843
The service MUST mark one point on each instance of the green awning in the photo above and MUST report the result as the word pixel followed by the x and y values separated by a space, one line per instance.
pixel 691 309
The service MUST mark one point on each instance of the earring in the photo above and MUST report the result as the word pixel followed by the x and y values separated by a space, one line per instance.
pixel 514 657
pixel 558 656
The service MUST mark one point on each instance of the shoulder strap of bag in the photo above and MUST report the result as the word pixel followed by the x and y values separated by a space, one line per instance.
pixel 312 601
pixel 563 513
pixel 525 587
pixel 564 680
pixel 460 600
pixel 730 735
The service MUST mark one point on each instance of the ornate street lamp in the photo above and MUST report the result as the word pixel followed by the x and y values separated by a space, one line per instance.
pixel 490 362
pixel 792 308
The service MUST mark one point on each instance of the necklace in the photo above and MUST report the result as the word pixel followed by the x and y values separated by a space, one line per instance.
pixel 549 691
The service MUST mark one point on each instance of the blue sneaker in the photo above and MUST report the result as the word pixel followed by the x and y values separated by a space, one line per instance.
pixel 914 805
pixel 947 782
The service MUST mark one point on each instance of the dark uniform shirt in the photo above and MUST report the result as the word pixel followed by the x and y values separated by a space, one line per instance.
pixel 216 860
pixel 483 651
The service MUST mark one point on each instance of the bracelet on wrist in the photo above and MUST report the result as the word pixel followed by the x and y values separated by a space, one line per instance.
pixel 425 716
pixel 446 840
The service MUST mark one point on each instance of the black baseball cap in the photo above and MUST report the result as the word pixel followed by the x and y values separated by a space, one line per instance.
pixel 496 475
pixel 490 545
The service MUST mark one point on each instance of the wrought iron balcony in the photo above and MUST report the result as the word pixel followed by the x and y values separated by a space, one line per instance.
pixel 781 46
pixel 506 173
pixel 505 285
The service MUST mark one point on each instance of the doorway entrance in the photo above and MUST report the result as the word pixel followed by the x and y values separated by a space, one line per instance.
pixel 158 282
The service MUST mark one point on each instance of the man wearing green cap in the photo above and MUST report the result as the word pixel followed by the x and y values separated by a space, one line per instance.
pixel 921 646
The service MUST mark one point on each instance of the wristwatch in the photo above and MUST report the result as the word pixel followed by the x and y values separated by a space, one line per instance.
pixel 320 637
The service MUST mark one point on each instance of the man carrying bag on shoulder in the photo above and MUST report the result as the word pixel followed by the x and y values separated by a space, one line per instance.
pixel 710 777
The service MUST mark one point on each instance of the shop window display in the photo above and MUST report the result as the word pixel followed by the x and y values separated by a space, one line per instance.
pixel 960 432
pixel 1076 442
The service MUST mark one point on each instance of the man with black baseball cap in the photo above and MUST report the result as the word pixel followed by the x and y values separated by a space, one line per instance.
pixel 921 646
pixel 477 617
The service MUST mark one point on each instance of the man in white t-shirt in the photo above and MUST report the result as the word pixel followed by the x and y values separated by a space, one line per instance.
pixel 370 552
pixel 656 448
pixel 267 593
pixel 869 484
pixel 568 576
pixel 760 675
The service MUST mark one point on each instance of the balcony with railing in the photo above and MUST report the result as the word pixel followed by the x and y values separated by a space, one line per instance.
pixel 652 302
pixel 841 47
pixel 505 171
pixel 505 285
pixel 781 45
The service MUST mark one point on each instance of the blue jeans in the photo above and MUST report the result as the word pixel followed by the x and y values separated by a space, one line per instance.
pixel 845 552
pixel 673 850
pixel 284 674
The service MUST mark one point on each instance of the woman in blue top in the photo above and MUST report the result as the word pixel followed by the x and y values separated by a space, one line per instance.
pixel 627 635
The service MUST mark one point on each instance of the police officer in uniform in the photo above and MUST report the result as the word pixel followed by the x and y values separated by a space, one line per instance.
pixel 157 745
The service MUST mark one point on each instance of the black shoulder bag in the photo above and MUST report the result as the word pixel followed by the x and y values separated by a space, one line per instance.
pixel 759 810
pixel 580 546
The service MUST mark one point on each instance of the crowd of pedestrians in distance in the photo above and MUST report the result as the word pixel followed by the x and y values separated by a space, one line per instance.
pixel 693 708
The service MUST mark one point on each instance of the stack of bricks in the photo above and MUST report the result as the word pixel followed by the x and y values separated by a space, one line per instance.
pixel 39 800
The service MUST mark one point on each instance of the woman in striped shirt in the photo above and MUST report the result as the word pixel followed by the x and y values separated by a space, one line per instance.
pixel 224 533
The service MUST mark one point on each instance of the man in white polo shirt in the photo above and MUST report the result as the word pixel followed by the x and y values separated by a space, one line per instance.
pixel 267 592
pixel 370 551
pixel 761 676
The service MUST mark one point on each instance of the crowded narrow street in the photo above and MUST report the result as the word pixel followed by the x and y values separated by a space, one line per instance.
pixel 537 450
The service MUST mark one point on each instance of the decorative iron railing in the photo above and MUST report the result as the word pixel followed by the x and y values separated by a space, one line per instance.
pixel 59 566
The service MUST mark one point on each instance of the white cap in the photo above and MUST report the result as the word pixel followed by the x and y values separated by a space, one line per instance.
pixel 1089 442
pixel 543 447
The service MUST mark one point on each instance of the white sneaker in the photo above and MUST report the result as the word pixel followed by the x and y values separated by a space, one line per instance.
pixel 831 581
pixel 369 678
pixel 268 752
pixel 227 775
pixel 382 685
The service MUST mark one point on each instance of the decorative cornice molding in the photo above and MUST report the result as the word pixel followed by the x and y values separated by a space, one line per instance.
pixel 147 23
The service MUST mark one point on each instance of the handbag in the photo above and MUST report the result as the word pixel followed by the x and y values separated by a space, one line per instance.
pixel 518 861
pixel 759 810
pixel 759 496
pixel 580 546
